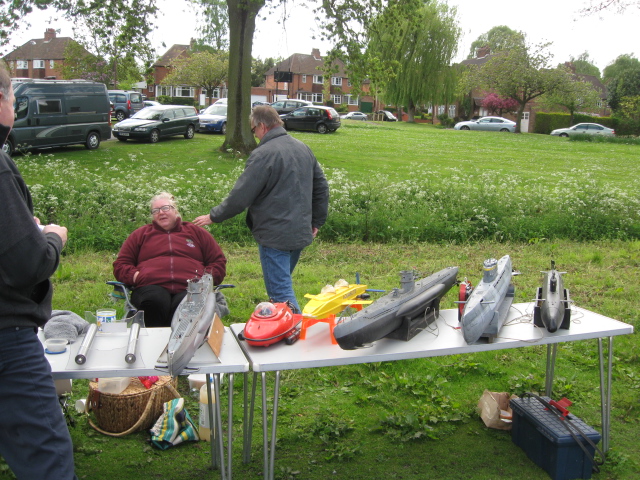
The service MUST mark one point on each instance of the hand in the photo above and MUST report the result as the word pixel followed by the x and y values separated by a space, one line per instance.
pixel 58 230
pixel 202 220
pixel 135 276
pixel 314 231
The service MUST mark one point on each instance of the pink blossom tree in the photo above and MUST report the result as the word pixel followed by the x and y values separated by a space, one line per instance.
pixel 497 105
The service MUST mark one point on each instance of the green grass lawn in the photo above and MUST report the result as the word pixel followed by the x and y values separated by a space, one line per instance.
pixel 356 422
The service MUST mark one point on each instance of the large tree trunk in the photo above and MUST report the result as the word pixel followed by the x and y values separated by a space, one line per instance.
pixel 242 25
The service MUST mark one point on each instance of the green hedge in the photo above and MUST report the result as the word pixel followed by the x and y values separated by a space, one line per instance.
pixel 166 100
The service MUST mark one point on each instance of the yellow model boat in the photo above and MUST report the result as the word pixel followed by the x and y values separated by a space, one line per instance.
pixel 333 299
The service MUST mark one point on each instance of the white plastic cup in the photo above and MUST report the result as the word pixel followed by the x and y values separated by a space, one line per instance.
pixel 105 315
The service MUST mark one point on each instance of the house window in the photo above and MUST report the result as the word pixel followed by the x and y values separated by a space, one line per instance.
pixel 348 82
pixel 352 100
pixel 317 79
pixel 52 64
pixel 336 99
pixel 182 91
pixel 337 81
pixel 22 64
pixel 452 111
pixel 311 97
pixel 164 90
pixel 440 109
pixel 150 88
pixel 38 64
pixel 304 79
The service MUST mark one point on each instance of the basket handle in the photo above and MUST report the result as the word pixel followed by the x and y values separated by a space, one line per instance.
pixel 143 417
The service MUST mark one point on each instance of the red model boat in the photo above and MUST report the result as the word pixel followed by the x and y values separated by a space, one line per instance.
pixel 270 323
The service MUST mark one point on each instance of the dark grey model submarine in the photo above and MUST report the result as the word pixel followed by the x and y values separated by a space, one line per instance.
pixel 400 314
pixel 552 309
pixel 488 304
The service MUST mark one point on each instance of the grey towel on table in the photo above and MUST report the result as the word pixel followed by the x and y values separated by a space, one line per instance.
pixel 65 324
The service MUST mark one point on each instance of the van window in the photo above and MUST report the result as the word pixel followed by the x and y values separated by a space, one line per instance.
pixel 49 106
pixel 189 112
pixel 22 107
pixel 135 98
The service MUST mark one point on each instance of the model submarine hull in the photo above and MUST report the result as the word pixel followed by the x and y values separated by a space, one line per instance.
pixel 191 324
pixel 552 308
pixel 399 313
pixel 487 306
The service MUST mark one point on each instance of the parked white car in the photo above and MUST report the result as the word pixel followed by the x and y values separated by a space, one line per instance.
pixel 584 129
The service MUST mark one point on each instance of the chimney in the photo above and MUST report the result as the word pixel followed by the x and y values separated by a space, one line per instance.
pixel 49 34
pixel 316 53
pixel 483 52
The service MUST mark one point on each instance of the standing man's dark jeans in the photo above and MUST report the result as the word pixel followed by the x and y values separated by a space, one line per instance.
pixel 157 303
pixel 34 438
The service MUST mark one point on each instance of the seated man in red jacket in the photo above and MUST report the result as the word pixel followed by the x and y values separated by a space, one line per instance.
pixel 158 259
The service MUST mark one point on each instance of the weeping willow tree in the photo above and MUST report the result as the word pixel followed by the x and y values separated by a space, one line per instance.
pixel 420 47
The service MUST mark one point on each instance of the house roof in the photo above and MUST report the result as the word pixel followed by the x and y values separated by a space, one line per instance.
pixel 300 63
pixel 41 49
pixel 170 55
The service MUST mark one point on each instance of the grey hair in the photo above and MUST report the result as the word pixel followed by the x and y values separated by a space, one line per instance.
pixel 265 115
pixel 5 80
pixel 165 196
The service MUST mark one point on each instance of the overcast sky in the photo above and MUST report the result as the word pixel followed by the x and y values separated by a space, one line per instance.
pixel 604 37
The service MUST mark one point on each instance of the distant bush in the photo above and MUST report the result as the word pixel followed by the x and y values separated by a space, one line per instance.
pixel 446 121
pixel 601 139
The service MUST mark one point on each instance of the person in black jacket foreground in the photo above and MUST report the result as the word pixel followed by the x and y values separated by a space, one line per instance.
pixel 34 439
pixel 287 197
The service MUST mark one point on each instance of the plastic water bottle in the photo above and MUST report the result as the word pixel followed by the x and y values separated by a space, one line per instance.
pixel 205 429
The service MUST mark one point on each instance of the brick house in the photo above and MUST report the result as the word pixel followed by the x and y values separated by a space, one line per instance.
pixel 161 69
pixel 306 81
pixel 41 58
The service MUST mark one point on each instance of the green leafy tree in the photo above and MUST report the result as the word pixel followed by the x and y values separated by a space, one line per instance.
pixel 497 39
pixel 574 95
pixel 259 68
pixel 521 73
pixel 419 45
pixel 213 23
pixel 115 30
pixel 205 69
pixel 622 78
pixel 584 65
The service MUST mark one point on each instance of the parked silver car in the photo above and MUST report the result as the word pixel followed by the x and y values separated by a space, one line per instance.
pixel 584 129
pixel 488 124
pixel 354 116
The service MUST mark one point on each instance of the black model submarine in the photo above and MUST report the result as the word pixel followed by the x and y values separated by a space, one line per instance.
pixel 401 314
pixel 552 309
pixel 486 308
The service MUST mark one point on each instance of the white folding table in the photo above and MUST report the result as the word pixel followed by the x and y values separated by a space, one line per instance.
pixel 106 358
pixel 442 338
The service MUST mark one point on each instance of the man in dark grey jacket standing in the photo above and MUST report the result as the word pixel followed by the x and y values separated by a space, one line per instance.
pixel 287 197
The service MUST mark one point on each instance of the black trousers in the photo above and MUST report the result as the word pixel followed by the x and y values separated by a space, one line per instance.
pixel 157 303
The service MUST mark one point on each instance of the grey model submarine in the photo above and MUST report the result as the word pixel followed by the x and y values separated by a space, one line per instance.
pixel 190 325
pixel 400 314
pixel 552 309
pixel 487 306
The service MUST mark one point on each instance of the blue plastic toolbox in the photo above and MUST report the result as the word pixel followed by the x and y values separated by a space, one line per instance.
pixel 547 442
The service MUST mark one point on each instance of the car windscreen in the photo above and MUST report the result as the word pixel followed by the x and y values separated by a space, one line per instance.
pixel 149 113
pixel 216 110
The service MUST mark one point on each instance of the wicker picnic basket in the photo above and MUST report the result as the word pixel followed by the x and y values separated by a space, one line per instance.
pixel 136 408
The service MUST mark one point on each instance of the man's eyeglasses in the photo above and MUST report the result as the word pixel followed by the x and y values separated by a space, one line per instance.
pixel 164 208
pixel 253 129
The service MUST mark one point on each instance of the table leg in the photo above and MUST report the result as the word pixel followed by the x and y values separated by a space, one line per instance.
pixel 210 413
pixel 230 431
pixel 219 438
pixel 605 392
pixel 274 424
pixel 552 350
pixel 265 429
pixel 248 416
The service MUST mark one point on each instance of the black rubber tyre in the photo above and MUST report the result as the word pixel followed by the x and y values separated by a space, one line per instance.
pixel 8 147
pixel 154 136
pixel 190 132
pixel 322 128
pixel 464 128
pixel 120 116
pixel 93 141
